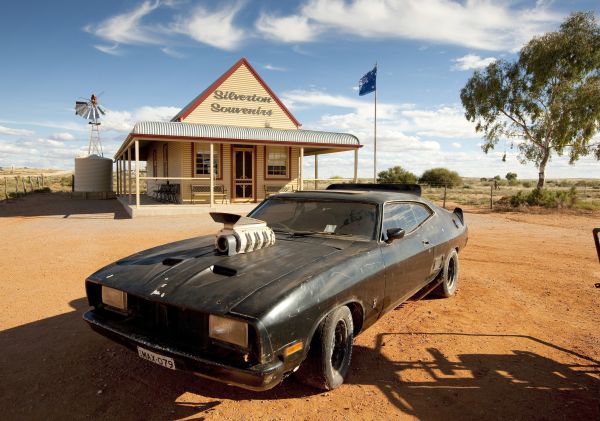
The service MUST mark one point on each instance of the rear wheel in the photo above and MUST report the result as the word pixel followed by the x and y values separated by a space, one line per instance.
pixel 450 274
pixel 330 351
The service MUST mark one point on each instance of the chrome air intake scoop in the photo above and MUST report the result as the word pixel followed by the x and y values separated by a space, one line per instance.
pixel 241 234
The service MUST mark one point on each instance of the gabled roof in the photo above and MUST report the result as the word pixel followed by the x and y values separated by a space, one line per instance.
pixel 185 111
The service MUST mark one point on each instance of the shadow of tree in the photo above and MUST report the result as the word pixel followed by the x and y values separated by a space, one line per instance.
pixel 516 385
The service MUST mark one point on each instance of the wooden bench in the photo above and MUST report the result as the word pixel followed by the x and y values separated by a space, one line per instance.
pixel 203 190
pixel 273 189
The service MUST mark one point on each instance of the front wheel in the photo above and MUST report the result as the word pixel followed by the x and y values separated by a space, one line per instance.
pixel 330 351
pixel 450 282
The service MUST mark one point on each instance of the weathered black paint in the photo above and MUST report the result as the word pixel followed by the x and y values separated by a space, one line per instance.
pixel 286 290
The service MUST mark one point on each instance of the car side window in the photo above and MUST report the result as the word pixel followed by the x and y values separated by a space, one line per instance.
pixel 421 212
pixel 407 216
pixel 398 215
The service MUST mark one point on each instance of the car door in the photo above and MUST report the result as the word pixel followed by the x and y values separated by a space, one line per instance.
pixel 408 260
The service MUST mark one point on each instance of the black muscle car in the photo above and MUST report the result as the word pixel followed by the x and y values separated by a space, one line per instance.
pixel 285 289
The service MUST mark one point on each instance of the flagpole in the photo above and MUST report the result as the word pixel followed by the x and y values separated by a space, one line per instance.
pixel 375 135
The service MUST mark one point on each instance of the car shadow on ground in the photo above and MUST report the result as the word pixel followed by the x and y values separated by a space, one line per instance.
pixel 57 368
pixel 62 205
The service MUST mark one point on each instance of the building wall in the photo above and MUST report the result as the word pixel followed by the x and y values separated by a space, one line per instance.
pixel 182 164
pixel 241 82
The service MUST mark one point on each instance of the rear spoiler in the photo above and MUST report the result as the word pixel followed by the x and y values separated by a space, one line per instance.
pixel 389 187
pixel 459 213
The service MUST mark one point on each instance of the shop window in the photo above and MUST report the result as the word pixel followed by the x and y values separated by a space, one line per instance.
pixel 277 161
pixel 203 160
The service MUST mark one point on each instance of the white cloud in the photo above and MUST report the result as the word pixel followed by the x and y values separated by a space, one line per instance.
pixel 456 145
pixel 14 132
pixel 215 28
pixel 484 24
pixel 471 62
pixel 109 49
pixel 172 53
pixel 288 28
pixel 63 136
pixel 123 121
pixel 274 68
pixel 126 28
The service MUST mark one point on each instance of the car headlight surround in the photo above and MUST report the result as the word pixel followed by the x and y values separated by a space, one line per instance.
pixel 228 330
pixel 114 298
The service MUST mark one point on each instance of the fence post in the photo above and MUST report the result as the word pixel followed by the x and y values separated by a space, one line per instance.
pixel 24 187
pixel 491 196
pixel 31 184
pixel 5 189
pixel 16 187
pixel 445 187
pixel 42 180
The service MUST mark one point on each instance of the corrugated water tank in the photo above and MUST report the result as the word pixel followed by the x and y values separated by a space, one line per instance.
pixel 93 174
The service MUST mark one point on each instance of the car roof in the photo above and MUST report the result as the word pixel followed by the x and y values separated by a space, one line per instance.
pixel 370 196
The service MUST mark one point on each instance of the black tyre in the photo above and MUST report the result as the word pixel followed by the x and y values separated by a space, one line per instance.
pixel 330 351
pixel 448 286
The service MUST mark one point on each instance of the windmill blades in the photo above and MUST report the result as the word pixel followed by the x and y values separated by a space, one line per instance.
pixel 81 108
pixel 101 109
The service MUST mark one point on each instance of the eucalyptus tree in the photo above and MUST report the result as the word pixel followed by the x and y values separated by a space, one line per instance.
pixel 548 100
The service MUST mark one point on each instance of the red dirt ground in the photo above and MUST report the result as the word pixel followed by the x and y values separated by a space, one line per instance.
pixel 520 340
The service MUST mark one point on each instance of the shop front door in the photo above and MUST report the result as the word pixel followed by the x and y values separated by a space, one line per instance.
pixel 243 174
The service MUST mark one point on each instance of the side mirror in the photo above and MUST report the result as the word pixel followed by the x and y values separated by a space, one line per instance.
pixel 394 234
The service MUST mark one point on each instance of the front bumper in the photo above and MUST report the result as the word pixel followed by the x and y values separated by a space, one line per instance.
pixel 258 377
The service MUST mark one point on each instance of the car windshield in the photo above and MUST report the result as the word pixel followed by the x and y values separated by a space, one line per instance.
pixel 325 217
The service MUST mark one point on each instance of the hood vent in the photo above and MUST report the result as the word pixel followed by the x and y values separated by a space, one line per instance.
pixel 223 270
pixel 241 234
pixel 170 261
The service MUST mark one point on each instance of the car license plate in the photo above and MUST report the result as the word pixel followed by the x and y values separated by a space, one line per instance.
pixel 167 362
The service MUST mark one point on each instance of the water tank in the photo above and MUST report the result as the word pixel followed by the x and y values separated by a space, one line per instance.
pixel 93 174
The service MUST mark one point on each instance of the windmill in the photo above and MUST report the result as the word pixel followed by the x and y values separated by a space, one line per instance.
pixel 91 110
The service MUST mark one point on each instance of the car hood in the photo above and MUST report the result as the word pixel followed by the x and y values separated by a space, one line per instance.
pixel 190 274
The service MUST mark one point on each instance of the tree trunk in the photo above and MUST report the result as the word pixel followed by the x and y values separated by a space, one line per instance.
pixel 542 169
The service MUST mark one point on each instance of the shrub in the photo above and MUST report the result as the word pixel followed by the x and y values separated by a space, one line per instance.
pixel 527 184
pixel 396 174
pixel 511 176
pixel 545 198
pixel 483 179
pixel 441 177
pixel 513 182
pixel 497 178
pixel 66 181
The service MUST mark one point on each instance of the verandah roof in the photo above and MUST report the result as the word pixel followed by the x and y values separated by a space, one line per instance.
pixel 194 131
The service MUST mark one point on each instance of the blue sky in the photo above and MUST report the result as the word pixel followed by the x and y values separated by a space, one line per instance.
pixel 149 58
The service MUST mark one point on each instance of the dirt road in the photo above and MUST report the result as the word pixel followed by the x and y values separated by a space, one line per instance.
pixel 521 339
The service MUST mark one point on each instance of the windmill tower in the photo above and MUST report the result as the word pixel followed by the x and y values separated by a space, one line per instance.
pixel 91 110
pixel 93 173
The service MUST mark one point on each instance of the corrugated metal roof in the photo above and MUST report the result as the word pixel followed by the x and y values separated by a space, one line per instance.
pixel 214 131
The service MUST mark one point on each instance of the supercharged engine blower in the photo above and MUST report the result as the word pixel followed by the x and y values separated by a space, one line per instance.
pixel 241 234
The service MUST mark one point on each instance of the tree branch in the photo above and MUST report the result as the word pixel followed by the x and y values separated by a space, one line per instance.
pixel 524 126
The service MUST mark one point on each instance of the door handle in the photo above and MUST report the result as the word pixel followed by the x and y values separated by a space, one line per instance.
pixel 425 242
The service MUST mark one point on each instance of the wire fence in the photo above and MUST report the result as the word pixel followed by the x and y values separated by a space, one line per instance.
pixel 15 186
pixel 491 194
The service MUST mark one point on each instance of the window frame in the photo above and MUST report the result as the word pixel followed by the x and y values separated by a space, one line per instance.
pixel 288 175
pixel 219 161
pixel 409 202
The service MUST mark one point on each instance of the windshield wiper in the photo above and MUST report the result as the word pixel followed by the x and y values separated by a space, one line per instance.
pixel 305 233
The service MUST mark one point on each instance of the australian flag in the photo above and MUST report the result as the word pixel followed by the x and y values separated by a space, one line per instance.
pixel 368 83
